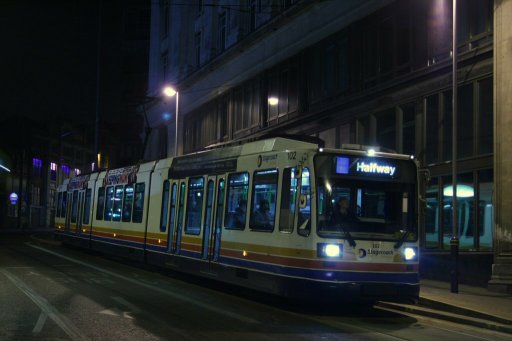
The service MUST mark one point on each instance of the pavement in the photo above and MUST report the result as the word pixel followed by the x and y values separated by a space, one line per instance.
pixel 475 306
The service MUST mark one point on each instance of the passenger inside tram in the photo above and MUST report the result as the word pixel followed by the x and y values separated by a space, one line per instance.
pixel 262 217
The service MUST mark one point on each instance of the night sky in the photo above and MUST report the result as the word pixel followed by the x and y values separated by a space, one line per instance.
pixel 48 58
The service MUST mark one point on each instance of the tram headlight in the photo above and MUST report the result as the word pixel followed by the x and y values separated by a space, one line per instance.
pixel 411 253
pixel 329 250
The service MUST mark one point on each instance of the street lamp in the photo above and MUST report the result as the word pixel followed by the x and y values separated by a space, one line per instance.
pixel 454 242
pixel 169 91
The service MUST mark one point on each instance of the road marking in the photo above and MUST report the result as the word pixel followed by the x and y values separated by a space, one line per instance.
pixel 40 323
pixel 132 307
pixel 67 326
pixel 177 296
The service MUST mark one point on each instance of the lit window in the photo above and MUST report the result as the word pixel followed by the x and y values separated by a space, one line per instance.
pixel 77 171
pixel 65 170
pixel 53 171
pixel 37 164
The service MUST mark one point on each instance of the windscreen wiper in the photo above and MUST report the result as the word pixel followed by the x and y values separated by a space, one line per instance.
pixel 401 240
pixel 348 236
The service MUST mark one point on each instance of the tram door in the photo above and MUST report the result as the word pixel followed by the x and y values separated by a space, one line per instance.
pixel 80 209
pixel 213 218
pixel 68 210
pixel 178 191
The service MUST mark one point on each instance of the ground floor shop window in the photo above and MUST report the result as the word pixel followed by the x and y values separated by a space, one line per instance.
pixel 474 211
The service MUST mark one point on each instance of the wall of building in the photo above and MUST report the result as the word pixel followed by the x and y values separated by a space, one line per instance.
pixel 353 72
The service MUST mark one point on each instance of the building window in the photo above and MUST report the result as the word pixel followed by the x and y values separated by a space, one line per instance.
pixel 53 171
pixel 432 129
pixel 465 136
pixel 200 7
pixel 252 15
pixel 65 171
pixel 222 32
pixel 485 117
pixel 164 60
pixel 35 198
pixel 485 217
pixel 37 165
pixel 386 129
pixel 408 129
pixel 77 171
pixel 197 48
pixel 166 19
pixel 283 92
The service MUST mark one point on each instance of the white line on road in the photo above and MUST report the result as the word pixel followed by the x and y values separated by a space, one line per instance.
pixel 177 296
pixel 133 308
pixel 67 326
pixel 40 323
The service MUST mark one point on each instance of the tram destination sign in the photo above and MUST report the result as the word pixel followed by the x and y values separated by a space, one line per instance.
pixel 366 166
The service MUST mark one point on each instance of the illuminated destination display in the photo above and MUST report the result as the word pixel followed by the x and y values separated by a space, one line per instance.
pixel 342 165
pixel 375 168
pixel 346 165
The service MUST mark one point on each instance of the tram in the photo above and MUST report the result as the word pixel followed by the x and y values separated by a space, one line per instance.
pixel 281 215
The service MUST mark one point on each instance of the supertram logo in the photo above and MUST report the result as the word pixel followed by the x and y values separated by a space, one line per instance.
pixel 375 168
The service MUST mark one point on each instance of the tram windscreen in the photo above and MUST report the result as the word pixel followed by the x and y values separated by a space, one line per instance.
pixel 367 197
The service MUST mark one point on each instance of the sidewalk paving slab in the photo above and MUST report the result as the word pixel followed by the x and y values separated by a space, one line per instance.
pixel 474 306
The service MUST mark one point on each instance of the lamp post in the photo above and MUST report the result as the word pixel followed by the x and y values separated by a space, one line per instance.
pixel 169 91
pixel 454 242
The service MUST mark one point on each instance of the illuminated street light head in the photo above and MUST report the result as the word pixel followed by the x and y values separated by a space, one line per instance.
pixel 273 100
pixel 169 91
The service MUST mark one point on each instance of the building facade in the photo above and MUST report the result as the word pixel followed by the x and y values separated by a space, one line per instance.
pixel 367 72
pixel 39 156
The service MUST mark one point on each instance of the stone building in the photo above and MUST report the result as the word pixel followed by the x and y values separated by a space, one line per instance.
pixel 367 72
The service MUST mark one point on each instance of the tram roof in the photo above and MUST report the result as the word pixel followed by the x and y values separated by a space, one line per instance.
pixel 225 158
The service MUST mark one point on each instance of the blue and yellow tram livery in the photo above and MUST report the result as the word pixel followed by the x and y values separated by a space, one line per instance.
pixel 280 215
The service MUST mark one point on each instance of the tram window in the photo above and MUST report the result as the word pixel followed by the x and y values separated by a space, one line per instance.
pixel 118 203
pixel 127 203
pixel 304 223
pixel 165 206
pixel 138 205
pixel 100 206
pixel 109 203
pixel 264 195
pixel 59 203
pixel 288 200
pixel 236 206
pixel 195 196
pixel 74 207
pixel 64 204
pixel 87 207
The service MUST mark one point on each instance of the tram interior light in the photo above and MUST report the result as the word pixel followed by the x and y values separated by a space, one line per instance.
pixel 411 253
pixel 329 250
